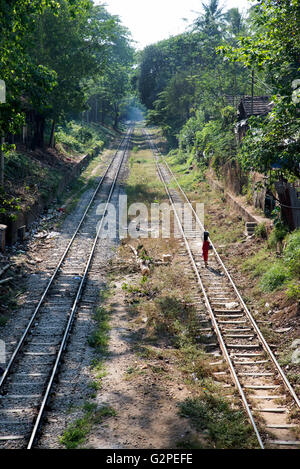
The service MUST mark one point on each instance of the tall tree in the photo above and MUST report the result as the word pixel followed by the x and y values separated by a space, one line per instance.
pixel 17 70
pixel 75 45
pixel 109 87
pixel 212 21
pixel 188 64
pixel 17 18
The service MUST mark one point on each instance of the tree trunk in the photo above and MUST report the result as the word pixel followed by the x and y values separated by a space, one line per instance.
pixel 39 129
pixel 51 141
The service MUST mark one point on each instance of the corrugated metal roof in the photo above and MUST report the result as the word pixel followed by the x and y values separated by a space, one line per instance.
pixel 261 106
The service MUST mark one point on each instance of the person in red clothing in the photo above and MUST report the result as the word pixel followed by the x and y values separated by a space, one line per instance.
pixel 206 248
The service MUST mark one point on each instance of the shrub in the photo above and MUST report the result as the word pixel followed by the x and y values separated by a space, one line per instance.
pixel 9 206
pixel 79 138
pixel 293 290
pixel 69 141
pixel 84 135
pixel 212 141
pixel 274 278
pixel 280 229
pixel 261 231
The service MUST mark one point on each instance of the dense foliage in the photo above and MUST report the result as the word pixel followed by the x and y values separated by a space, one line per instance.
pixel 55 55
pixel 60 61
pixel 16 68
pixel 188 83
pixel 185 75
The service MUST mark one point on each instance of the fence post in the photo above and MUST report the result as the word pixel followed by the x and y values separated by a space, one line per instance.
pixel 3 229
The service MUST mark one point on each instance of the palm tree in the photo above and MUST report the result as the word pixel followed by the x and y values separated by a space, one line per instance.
pixel 235 21
pixel 212 20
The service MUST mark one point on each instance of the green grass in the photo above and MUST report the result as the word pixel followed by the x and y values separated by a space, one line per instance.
pixel 132 372
pixel 277 235
pixel 20 167
pixel 228 234
pixel 259 264
pixel 277 273
pixel 293 290
pixel 95 385
pixel 187 173
pixel 98 369
pixel 143 185
pixel 99 339
pixel 291 254
pixel 195 363
pixel 225 428
pixel 77 432
pixel 275 278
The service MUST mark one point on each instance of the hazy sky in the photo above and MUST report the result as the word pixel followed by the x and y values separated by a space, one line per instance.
pixel 152 20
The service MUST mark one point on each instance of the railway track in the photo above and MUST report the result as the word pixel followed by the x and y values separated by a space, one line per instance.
pixel 27 382
pixel 270 401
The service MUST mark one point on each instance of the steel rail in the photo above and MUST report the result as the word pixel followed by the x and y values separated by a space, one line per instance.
pixel 75 305
pixel 214 322
pixel 248 313
pixel 42 299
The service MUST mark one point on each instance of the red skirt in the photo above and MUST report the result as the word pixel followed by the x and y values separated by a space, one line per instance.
pixel 205 250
